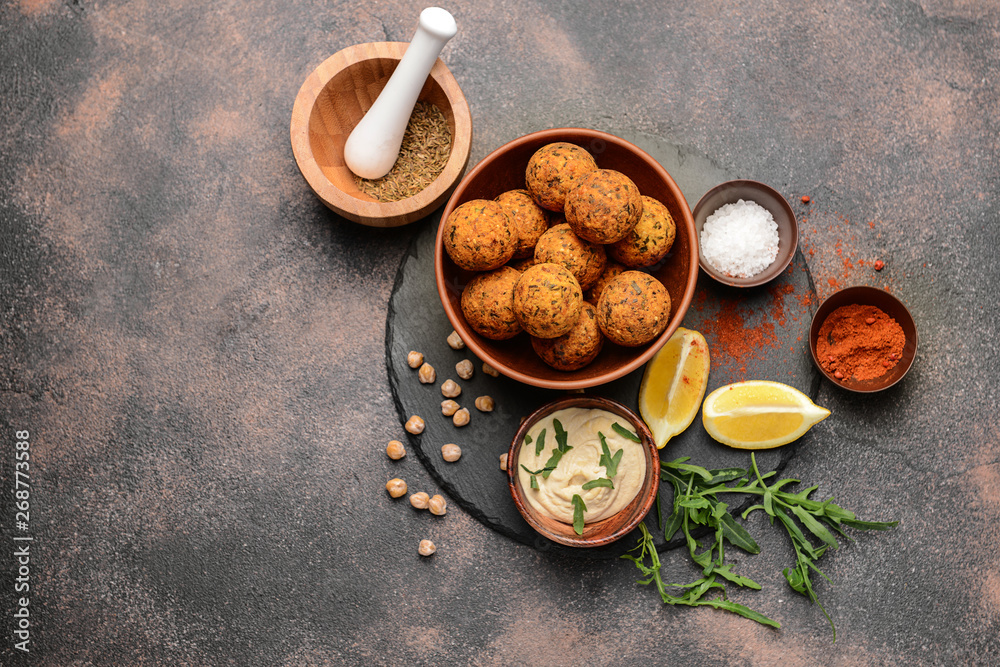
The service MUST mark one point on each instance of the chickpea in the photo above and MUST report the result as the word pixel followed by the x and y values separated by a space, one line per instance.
pixel 415 359
pixel 450 389
pixel 414 425
pixel 461 418
pixel 396 487
pixel 485 404
pixel 419 500
pixel 451 452
pixel 503 461
pixel 489 370
pixel 455 341
pixel 426 548
pixel 437 505
pixel 464 369
pixel 449 407
pixel 395 450
pixel 427 374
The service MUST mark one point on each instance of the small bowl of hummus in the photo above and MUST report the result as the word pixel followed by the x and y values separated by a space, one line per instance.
pixel 583 471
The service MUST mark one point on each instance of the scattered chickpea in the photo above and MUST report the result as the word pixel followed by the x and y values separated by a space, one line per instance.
pixel 414 425
pixel 503 461
pixel 426 548
pixel 464 369
pixel 489 370
pixel 396 487
pixel 461 418
pixel 450 389
pixel 455 341
pixel 426 374
pixel 451 452
pixel 395 450
pixel 437 505
pixel 485 404
pixel 415 359
pixel 419 500
pixel 449 407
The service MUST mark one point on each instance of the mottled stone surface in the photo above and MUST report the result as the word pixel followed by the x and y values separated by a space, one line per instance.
pixel 197 345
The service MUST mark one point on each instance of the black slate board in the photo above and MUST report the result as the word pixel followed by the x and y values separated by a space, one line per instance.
pixel 775 319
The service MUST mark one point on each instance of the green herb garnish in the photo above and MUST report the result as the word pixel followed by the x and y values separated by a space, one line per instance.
pixel 696 501
pixel 600 481
pixel 694 595
pixel 561 435
pixel 540 443
pixel 557 454
pixel 579 507
pixel 609 462
pixel 553 461
pixel 625 433
pixel 534 482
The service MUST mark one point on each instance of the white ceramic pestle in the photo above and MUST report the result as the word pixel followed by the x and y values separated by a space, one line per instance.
pixel 373 146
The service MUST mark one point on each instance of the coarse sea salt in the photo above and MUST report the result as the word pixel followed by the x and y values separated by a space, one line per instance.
pixel 740 239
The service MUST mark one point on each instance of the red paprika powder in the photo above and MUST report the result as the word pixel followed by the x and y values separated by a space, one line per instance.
pixel 859 342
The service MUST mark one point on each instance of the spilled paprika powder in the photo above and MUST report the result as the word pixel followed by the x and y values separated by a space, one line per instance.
pixel 860 342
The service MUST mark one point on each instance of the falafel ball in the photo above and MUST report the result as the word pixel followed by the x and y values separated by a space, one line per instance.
pixel 574 350
pixel 559 245
pixel 554 170
pixel 651 238
pixel 547 300
pixel 612 269
pixel 530 220
pixel 633 309
pixel 604 207
pixel 478 235
pixel 488 303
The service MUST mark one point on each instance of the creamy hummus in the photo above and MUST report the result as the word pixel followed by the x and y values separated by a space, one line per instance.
pixel 581 463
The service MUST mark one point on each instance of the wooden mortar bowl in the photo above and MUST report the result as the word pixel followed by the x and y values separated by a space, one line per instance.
pixel 334 99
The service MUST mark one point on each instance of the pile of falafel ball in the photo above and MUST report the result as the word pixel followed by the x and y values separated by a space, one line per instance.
pixel 558 259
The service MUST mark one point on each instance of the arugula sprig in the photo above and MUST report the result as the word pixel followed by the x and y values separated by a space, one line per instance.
pixel 696 502
pixel 557 453
pixel 579 507
pixel 695 591
pixel 609 462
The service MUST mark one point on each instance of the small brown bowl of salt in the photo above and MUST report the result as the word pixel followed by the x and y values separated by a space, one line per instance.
pixel 334 99
pixel 863 339
pixel 747 234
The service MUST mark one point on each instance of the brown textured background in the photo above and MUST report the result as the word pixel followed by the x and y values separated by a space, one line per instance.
pixel 197 345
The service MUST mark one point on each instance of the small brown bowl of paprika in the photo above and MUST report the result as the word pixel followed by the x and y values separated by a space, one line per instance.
pixel 863 339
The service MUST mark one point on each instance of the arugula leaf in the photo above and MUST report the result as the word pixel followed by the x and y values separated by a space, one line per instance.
pixel 579 507
pixel 553 461
pixel 534 482
pixel 540 443
pixel 625 433
pixel 561 435
pixel 532 472
pixel 600 481
pixel 609 462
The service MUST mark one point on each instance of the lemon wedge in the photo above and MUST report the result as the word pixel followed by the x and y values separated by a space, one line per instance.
pixel 759 414
pixel 673 385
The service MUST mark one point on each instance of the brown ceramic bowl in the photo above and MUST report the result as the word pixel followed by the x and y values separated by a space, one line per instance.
pixel 331 102
pixel 731 192
pixel 503 170
pixel 607 530
pixel 891 306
